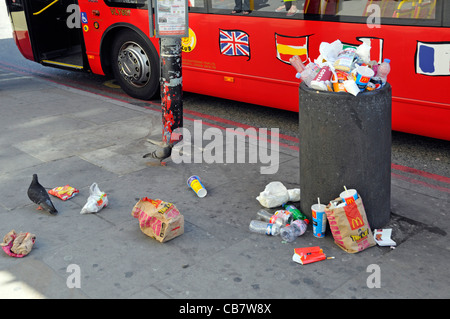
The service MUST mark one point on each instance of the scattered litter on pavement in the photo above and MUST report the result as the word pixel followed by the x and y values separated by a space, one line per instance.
pixel 18 245
pixel 383 237
pixel 319 219
pixel 158 219
pixel 276 194
pixel 349 224
pixel 296 213
pixel 307 255
pixel 197 186
pixel 64 192
pixel 96 200
pixel 293 230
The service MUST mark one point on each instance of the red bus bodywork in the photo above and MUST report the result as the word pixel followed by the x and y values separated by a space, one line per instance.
pixel 420 103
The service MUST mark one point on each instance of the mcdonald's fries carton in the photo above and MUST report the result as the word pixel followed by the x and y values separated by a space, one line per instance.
pixel 308 255
pixel 349 225
pixel 158 219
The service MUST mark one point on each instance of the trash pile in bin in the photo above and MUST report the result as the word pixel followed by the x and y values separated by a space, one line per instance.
pixel 342 68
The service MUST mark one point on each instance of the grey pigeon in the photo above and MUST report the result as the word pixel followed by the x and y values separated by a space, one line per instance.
pixel 161 153
pixel 38 195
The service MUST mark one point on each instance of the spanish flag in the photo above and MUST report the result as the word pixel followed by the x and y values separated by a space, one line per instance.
pixel 288 46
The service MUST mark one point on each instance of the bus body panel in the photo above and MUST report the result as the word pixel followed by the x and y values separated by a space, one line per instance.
pixel 20 29
pixel 101 20
pixel 420 102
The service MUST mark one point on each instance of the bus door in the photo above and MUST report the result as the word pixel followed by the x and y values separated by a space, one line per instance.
pixel 54 41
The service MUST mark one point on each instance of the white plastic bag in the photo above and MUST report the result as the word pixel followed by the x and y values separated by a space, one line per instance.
pixel 96 200
pixel 276 194
pixel 294 194
pixel 329 52
pixel 363 51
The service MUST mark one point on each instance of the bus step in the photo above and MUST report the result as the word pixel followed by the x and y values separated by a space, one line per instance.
pixel 62 64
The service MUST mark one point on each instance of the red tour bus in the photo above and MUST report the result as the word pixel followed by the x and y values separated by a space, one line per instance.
pixel 245 56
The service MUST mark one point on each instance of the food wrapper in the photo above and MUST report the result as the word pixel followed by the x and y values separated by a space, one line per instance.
pixel 64 192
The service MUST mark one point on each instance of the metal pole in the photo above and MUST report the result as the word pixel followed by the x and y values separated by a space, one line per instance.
pixel 171 87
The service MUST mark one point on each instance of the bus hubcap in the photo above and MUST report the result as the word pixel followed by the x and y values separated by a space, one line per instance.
pixel 134 64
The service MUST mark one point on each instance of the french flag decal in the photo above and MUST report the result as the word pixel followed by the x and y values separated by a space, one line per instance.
pixel 433 58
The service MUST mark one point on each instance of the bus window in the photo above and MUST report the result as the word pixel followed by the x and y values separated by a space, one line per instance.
pixel 196 3
pixel 408 12
pixel 139 4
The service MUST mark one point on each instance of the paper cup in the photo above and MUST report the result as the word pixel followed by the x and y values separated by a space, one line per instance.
pixel 363 75
pixel 351 87
pixel 197 186
pixel 349 196
pixel 319 220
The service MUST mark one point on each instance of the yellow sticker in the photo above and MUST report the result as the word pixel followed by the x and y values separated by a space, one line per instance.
pixel 188 43
pixel 85 28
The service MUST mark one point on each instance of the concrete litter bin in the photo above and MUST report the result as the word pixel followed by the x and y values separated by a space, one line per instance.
pixel 345 140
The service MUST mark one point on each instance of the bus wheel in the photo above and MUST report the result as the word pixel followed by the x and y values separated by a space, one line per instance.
pixel 135 65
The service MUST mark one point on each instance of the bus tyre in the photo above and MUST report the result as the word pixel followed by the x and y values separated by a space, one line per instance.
pixel 135 65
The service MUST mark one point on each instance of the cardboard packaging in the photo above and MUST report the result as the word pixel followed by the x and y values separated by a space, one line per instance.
pixel 158 219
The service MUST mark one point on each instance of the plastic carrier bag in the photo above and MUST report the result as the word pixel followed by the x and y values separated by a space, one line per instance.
pixel 96 200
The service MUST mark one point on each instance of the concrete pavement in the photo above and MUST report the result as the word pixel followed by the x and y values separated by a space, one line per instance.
pixel 68 136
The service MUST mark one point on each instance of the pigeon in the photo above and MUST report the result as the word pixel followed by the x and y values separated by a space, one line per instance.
pixel 161 153
pixel 38 195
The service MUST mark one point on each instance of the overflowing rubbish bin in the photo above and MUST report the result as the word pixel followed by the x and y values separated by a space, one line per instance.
pixel 345 140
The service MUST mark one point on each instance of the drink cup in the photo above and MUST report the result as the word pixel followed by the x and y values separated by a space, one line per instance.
pixel 376 80
pixel 319 82
pixel 363 75
pixel 319 220
pixel 349 196
pixel 197 186
pixel 351 87
pixel 370 86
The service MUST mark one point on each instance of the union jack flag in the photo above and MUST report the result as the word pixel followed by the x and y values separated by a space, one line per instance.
pixel 234 43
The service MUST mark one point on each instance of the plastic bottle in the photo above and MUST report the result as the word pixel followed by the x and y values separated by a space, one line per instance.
pixel 261 227
pixel 281 217
pixel 309 73
pixel 263 215
pixel 297 63
pixel 383 70
pixel 295 229
pixel 296 213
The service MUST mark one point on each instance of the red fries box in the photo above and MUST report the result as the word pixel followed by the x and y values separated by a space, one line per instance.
pixel 158 219
pixel 308 255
